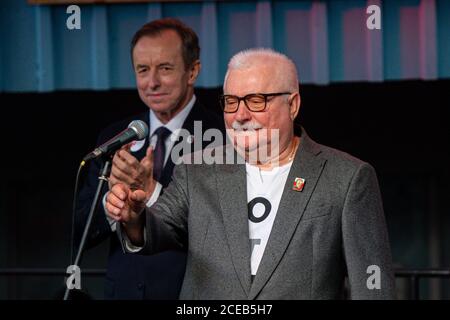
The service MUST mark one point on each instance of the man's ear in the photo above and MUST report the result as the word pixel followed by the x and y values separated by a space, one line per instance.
pixel 194 71
pixel 294 105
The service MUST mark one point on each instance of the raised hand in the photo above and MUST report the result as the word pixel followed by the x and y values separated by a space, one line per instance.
pixel 137 175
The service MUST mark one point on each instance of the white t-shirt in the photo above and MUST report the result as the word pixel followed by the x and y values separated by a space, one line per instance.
pixel 264 190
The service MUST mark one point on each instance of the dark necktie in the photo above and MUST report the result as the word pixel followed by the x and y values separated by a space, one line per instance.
pixel 160 151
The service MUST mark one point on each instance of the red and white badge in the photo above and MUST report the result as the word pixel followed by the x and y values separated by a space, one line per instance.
pixel 299 183
pixel 137 145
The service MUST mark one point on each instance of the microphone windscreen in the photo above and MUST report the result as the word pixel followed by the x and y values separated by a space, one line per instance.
pixel 140 127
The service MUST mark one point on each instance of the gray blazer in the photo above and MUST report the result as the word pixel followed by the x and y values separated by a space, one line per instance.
pixel 333 228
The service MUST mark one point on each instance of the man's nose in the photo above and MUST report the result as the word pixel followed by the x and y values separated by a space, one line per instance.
pixel 242 113
pixel 153 80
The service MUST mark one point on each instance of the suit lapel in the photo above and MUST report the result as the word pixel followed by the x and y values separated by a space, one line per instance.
pixel 308 166
pixel 232 192
pixel 189 126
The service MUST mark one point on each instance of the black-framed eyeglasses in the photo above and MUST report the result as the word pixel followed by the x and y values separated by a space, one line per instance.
pixel 255 102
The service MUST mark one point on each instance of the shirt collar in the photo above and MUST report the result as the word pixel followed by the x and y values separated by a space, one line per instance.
pixel 174 123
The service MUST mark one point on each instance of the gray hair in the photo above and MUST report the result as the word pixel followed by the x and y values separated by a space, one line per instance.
pixel 250 57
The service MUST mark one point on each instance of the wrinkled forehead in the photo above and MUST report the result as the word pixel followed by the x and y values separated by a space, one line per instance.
pixel 258 78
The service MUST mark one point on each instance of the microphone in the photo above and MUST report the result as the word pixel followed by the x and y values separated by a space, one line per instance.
pixel 137 130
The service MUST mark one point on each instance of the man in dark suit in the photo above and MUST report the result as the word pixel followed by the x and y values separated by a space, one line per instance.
pixel 288 223
pixel 165 55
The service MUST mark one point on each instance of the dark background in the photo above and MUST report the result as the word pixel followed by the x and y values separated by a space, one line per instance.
pixel 401 128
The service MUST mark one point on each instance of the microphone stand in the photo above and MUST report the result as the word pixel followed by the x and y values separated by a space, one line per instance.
pixel 103 178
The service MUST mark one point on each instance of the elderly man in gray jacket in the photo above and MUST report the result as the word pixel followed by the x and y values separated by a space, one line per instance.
pixel 292 224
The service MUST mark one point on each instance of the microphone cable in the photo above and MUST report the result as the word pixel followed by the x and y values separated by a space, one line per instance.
pixel 74 207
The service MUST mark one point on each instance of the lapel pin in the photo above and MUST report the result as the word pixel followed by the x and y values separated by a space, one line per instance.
pixel 137 145
pixel 299 183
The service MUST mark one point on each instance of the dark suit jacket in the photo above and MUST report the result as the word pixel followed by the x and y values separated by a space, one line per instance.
pixel 133 276
pixel 333 228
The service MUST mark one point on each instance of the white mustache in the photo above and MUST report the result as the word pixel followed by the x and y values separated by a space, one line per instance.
pixel 248 126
